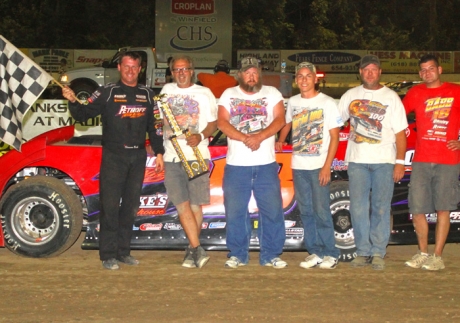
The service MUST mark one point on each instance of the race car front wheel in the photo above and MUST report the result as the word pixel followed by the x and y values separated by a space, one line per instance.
pixel 41 217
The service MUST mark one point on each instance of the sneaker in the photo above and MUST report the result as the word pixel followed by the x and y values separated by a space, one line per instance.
pixel 276 263
pixel 311 261
pixel 418 260
pixel 360 261
pixel 129 260
pixel 328 263
pixel 434 263
pixel 110 264
pixel 188 259
pixel 199 256
pixel 377 262
pixel 233 263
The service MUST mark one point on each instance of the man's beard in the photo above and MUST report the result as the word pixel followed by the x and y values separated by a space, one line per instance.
pixel 251 89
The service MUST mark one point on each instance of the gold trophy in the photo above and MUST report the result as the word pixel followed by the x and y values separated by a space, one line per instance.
pixel 194 168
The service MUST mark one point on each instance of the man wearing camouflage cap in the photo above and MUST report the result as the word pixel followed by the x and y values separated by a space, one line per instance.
pixel 251 114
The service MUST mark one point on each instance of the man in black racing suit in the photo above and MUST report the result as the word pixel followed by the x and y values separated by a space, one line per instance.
pixel 126 109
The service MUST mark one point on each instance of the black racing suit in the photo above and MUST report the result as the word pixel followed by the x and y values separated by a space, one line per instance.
pixel 127 114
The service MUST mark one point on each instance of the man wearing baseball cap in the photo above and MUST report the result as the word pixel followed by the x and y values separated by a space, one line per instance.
pixel 315 122
pixel 251 114
pixel 375 155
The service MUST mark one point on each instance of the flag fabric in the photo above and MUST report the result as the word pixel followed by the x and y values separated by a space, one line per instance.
pixel 21 83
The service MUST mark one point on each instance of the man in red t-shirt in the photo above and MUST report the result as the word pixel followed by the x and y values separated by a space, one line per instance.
pixel 434 185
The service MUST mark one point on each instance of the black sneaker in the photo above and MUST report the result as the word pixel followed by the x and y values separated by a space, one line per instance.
pixel 129 260
pixel 110 264
pixel 199 256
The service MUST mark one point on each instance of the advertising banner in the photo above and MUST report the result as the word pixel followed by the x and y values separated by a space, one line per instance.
pixel 52 60
pixel 91 57
pixel 45 115
pixel 201 29
pixel 347 61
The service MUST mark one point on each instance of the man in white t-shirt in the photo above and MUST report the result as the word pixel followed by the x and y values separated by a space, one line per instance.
pixel 315 122
pixel 251 114
pixel 375 156
pixel 194 108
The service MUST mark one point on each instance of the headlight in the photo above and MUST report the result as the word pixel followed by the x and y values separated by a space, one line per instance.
pixel 64 78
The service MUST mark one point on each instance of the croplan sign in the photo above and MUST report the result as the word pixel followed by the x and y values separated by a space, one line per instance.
pixel 201 29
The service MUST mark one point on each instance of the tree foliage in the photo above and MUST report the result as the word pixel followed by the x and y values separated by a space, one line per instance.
pixel 257 24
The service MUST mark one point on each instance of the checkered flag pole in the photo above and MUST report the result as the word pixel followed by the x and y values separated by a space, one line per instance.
pixel 21 83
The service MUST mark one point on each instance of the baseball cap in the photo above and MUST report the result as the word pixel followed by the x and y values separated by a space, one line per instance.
pixel 248 62
pixel 369 59
pixel 308 65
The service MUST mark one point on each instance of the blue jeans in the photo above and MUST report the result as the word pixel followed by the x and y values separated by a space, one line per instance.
pixel 371 231
pixel 263 181
pixel 313 200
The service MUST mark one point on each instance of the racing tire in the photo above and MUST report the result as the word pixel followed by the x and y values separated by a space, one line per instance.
pixel 83 91
pixel 343 229
pixel 41 217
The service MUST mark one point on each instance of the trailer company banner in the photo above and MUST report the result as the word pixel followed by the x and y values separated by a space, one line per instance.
pixel 55 61
pixel 201 29
pixel 347 61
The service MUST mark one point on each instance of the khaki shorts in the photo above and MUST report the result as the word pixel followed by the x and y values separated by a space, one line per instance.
pixel 433 187
pixel 180 189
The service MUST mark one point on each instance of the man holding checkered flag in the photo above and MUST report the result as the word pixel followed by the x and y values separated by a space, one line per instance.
pixel 21 83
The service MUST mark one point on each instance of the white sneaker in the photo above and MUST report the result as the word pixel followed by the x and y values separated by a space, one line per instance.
pixel 233 263
pixel 418 260
pixel 328 263
pixel 434 263
pixel 311 261
pixel 276 263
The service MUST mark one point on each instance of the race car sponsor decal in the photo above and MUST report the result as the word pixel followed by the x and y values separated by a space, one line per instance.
pixel 339 165
pixel 433 217
pixel 151 175
pixel 204 225
pixel 343 136
pixel 256 224
pixel 294 232
pixel 248 116
pixel 131 111
pixel 172 226
pixel 217 225
pixel 150 226
pixel 153 204
pixel 289 224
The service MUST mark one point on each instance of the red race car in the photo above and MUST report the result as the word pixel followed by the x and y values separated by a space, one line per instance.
pixel 50 192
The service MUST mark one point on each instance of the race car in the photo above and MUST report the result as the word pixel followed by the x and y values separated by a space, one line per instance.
pixel 50 193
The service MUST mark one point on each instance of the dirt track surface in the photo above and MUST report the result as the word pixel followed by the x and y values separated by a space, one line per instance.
pixel 74 287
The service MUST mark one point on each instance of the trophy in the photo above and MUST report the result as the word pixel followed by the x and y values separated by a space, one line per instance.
pixel 194 168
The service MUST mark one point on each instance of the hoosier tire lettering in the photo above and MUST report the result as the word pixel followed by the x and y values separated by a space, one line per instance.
pixel 41 217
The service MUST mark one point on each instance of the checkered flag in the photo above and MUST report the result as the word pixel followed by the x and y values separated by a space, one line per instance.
pixel 21 83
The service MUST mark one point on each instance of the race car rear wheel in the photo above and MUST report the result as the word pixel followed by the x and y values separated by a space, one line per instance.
pixel 340 210
pixel 41 217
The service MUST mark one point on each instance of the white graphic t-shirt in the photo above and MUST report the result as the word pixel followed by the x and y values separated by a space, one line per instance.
pixel 311 121
pixel 250 114
pixel 375 117
pixel 193 108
